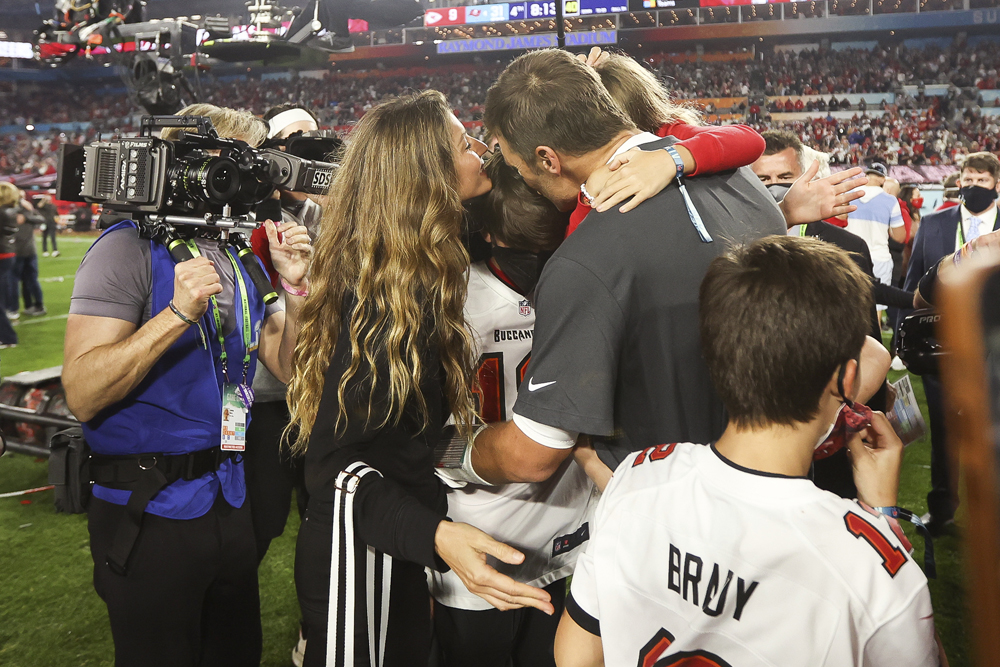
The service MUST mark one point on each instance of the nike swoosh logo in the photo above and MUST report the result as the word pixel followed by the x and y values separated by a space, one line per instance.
pixel 535 387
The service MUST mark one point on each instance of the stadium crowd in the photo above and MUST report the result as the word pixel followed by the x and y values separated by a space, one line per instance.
pixel 692 387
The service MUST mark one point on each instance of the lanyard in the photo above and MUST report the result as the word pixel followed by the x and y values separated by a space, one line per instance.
pixel 899 513
pixel 245 308
pixel 802 230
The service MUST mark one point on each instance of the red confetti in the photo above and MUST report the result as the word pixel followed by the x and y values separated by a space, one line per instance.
pixel 25 502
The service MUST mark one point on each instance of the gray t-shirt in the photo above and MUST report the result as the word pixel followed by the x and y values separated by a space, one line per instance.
pixel 115 279
pixel 616 344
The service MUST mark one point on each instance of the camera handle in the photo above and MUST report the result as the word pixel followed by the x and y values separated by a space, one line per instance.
pixel 181 253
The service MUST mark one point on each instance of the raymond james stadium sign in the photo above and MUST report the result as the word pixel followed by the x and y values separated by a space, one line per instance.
pixel 513 42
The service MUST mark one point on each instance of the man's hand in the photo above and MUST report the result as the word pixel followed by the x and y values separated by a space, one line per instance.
pixel 876 457
pixel 464 548
pixel 637 174
pixel 290 252
pixel 808 200
pixel 194 282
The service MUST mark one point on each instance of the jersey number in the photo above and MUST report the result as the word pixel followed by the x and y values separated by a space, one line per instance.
pixel 893 557
pixel 650 655
pixel 489 386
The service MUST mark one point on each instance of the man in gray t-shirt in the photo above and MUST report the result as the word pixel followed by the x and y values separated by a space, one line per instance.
pixel 616 350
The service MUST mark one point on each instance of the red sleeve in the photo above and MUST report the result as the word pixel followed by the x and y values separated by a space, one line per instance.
pixel 717 148
pixel 260 246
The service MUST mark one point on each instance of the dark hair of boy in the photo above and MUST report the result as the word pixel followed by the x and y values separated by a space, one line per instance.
pixel 516 215
pixel 288 106
pixel 776 141
pixel 778 317
pixel 549 98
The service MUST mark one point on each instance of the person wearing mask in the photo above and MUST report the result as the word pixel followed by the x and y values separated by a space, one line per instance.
pixel 272 473
pixel 159 358
pixel 942 233
pixel 724 553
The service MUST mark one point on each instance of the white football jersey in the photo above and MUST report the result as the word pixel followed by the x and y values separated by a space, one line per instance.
pixel 694 560
pixel 548 521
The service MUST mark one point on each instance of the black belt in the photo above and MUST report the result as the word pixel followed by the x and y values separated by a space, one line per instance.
pixel 145 475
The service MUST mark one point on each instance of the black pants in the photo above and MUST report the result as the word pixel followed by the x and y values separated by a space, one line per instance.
pixel 408 636
pixel 190 595
pixel 942 501
pixel 271 473
pixel 48 233
pixel 494 638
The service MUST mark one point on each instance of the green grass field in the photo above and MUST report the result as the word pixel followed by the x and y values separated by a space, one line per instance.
pixel 51 617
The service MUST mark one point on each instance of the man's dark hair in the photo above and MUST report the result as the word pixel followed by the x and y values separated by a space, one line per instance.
pixel 778 317
pixel 951 181
pixel 281 108
pixel 776 141
pixel 516 215
pixel 549 98
pixel 983 161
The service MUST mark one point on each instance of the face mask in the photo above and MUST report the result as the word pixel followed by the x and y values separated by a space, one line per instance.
pixel 917 203
pixel 522 267
pixel 977 199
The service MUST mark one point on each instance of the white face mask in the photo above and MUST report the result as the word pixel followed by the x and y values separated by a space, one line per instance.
pixel 826 435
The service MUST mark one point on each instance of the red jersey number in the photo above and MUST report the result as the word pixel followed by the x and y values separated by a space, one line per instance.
pixel 893 557
pixel 490 389
pixel 651 654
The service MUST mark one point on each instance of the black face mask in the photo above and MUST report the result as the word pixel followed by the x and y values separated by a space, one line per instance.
pixel 522 267
pixel 977 199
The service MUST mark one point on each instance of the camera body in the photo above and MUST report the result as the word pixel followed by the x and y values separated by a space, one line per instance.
pixel 198 173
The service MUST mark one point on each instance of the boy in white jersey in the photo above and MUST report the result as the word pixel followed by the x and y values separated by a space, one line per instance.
pixel 548 521
pixel 728 554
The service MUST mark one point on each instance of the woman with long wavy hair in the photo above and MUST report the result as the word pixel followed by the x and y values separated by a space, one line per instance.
pixel 383 359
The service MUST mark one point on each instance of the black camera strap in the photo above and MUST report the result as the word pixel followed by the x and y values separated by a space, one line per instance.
pixel 145 475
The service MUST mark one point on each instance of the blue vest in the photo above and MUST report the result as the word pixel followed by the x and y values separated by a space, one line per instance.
pixel 177 408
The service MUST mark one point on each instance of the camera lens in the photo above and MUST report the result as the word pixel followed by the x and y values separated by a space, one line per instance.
pixel 211 179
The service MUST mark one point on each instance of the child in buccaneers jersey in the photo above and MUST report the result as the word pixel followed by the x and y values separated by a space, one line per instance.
pixel 729 554
pixel 548 521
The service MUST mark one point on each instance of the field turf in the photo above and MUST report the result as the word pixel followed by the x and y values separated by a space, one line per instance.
pixel 50 615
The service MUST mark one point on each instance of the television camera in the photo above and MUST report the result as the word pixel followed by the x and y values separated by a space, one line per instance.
pixel 200 184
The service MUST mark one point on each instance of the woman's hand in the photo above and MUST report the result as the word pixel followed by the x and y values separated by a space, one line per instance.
pixel 465 548
pixel 809 201
pixel 635 173
pixel 594 58
pixel 291 254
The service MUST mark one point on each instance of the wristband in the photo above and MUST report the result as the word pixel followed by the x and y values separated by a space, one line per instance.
pixel 692 212
pixel 181 315
pixel 293 291
pixel 894 512
pixel 453 458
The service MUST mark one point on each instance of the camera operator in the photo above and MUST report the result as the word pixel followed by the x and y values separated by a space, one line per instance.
pixel 159 357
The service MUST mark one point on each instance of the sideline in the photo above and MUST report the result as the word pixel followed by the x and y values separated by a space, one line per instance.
pixel 38 320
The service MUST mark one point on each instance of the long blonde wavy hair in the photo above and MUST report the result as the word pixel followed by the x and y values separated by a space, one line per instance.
pixel 391 236
pixel 641 95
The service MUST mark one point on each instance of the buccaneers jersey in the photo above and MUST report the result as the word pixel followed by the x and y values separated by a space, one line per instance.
pixel 547 521
pixel 696 561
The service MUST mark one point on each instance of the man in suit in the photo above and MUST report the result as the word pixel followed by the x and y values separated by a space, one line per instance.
pixel 940 234
pixel 782 163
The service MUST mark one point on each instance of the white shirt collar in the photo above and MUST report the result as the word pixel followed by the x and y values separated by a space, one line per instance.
pixel 636 140
pixel 988 218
